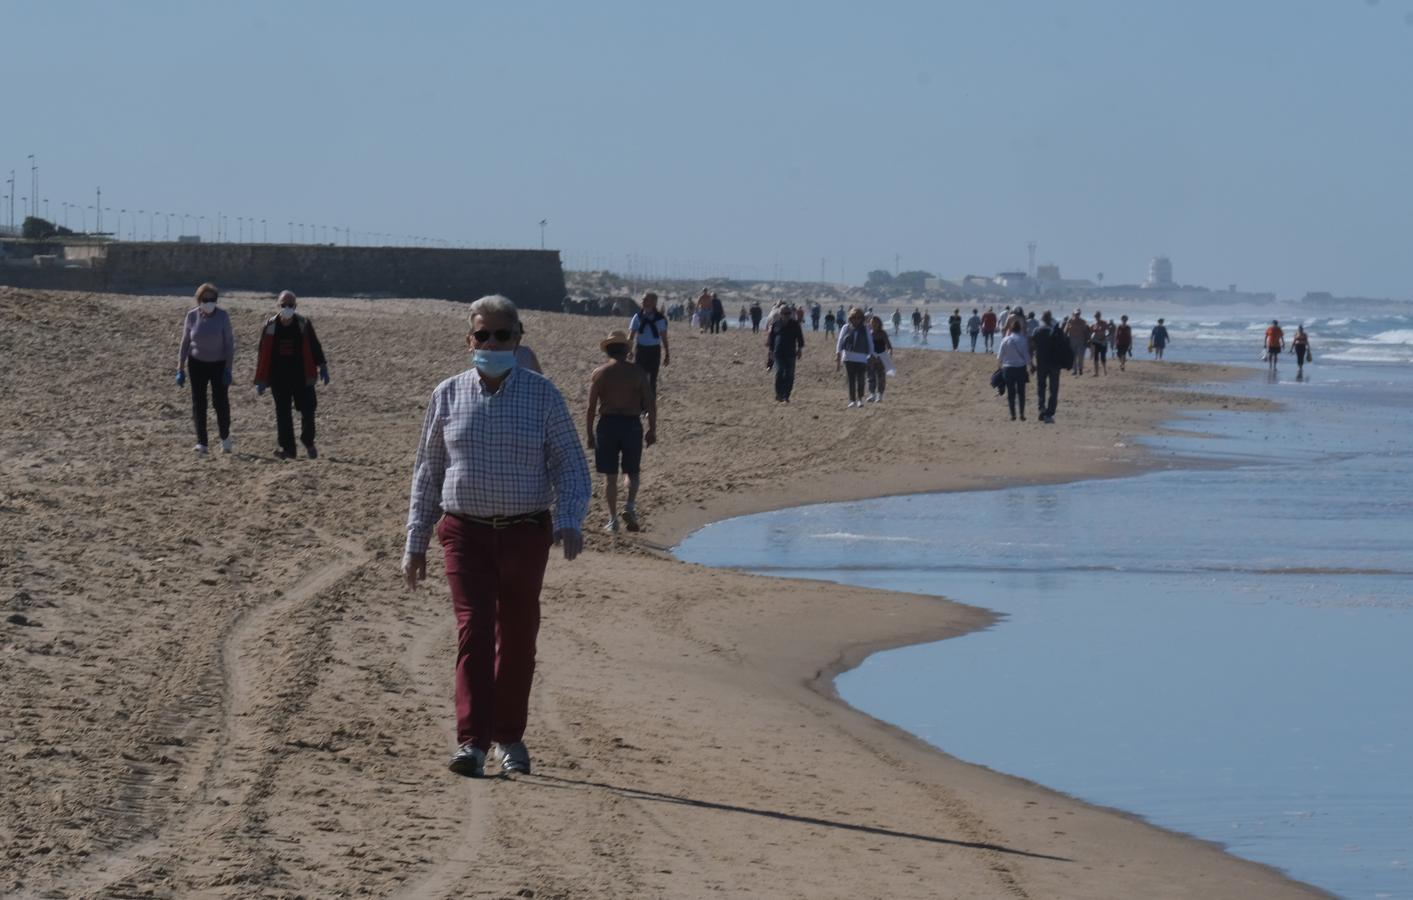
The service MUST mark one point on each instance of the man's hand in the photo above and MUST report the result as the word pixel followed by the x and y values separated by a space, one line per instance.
pixel 572 540
pixel 650 438
pixel 260 389
pixel 666 358
pixel 590 441
pixel 800 354
pixel 414 569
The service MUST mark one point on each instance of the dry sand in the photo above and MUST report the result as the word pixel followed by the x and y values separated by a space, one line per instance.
pixel 224 691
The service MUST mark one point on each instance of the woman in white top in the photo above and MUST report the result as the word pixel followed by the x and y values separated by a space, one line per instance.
pixel 853 350
pixel 1013 356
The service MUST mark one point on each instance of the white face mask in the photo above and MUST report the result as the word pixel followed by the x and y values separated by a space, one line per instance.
pixel 208 306
pixel 286 313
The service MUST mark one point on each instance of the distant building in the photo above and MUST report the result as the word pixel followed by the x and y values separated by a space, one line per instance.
pixel 1318 297
pixel 188 239
pixel 1160 273
pixel 1010 279
pixel 1047 272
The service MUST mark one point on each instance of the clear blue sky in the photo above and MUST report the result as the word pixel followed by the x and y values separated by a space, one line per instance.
pixel 1261 142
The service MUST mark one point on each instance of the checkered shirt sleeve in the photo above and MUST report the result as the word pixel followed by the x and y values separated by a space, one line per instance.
pixel 504 454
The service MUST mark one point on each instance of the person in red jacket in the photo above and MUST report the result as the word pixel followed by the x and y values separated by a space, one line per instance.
pixel 290 361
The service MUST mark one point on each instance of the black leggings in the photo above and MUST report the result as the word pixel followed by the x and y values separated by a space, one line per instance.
pixel 856 372
pixel 213 374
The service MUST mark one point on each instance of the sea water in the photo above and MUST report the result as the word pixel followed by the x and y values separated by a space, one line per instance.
pixel 1225 650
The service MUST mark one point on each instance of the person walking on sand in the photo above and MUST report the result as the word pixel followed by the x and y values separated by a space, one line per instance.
pixel 743 318
pixel 1275 343
pixel 290 360
pixel 207 351
pixel 498 448
pixel 988 328
pixel 649 348
pixel 1158 340
pixel 619 394
pixel 954 328
pixel 973 329
pixel 755 317
pixel 829 322
pixel 1077 330
pixel 1300 345
pixel 878 363
pixel 1013 356
pixel 786 344
pixel 897 320
pixel 1099 343
pixel 815 313
pixel 853 351
pixel 1123 341
pixel 1049 353
pixel 926 325
pixel 704 310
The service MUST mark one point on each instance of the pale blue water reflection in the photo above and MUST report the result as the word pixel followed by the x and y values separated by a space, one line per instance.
pixel 1225 651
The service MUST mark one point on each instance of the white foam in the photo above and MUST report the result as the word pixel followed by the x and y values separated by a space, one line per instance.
pixel 1397 336
pixel 851 536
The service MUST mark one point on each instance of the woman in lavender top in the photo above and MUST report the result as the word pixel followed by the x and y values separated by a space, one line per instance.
pixel 208 353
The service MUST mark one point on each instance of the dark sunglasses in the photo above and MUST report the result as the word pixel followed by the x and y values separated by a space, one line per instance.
pixel 500 334
pixel 286 306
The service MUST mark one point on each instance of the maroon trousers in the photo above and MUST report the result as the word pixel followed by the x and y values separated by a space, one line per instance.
pixel 495 576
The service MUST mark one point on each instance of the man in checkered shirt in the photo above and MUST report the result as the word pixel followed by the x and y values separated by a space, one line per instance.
pixel 498 448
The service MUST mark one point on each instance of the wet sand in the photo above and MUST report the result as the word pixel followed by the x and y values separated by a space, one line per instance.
pixel 223 690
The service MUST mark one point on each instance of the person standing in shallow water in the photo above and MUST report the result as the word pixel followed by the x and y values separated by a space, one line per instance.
pixel 498 448
pixel 619 394
pixel 954 328
pixel 1158 339
pixel 1275 343
pixel 208 351
pixel 973 329
pixel 1123 341
pixel 290 359
pixel 1300 346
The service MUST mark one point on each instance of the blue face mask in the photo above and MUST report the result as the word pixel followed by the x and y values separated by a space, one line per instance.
pixel 493 363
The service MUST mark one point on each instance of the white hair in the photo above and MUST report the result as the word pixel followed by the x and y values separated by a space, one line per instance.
pixel 493 305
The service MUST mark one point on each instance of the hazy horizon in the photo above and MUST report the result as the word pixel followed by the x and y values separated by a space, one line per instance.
pixel 1254 144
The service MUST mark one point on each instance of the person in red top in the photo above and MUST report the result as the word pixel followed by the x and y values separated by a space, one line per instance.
pixel 1123 341
pixel 290 359
pixel 988 327
pixel 1275 343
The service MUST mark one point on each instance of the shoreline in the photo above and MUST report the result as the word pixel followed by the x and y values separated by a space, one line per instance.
pixel 273 704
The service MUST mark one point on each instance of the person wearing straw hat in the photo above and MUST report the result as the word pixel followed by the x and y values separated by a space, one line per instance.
pixel 619 393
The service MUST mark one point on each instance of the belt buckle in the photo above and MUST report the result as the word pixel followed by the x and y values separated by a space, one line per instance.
pixel 499 523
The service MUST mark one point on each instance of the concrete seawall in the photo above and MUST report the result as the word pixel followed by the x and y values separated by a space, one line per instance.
pixel 534 279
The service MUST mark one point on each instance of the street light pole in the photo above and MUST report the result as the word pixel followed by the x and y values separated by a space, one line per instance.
pixel 543 223
pixel 264 232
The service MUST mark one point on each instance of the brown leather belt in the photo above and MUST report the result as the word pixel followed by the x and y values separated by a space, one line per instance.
pixel 498 522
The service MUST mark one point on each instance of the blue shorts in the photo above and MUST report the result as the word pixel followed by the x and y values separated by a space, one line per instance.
pixel 618 436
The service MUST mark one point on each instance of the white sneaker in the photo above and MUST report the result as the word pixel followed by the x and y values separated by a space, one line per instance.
pixel 227 444
pixel 851 405
pixel 878 399
pixel 200 449
pixel 611 526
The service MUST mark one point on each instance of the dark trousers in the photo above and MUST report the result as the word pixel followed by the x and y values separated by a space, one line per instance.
pixel 877 376
pixel 1015 388
pixel 974 336
pixel 755 322
pixel 302 397
pixel 495 577
pixel 650 359
pixel 214 374
pixel 956 338
pixel 784 376
pixel 814 322
pixel 1047 380
pixel 855 372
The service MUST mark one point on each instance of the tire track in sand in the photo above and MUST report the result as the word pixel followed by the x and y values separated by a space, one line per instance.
pixel 228 758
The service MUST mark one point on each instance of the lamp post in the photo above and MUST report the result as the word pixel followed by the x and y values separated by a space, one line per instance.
pixel 264 232
pixel 136 222
pixel 34 185
pixel 120 223
pixel 200 222
pixel 543 223
pixel 64 205
pixel 169 226
pixel 291 232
